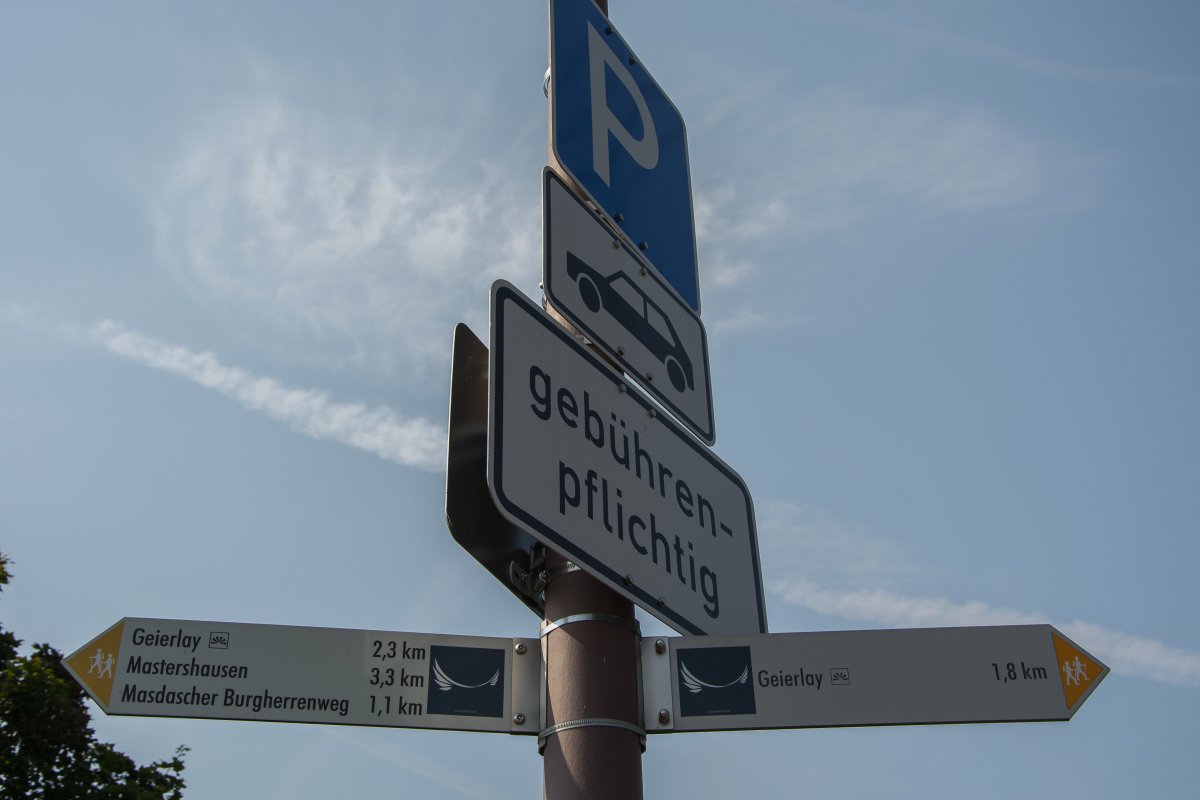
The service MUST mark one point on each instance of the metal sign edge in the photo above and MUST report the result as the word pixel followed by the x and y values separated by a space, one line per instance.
pixel 453 448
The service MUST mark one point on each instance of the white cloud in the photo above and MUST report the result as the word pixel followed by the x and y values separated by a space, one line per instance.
pixel 948 41
pixel 375 244
pixel 1125 653
pixel 885 607
pixel 789 177
pixel 728 273
pixel 743 319
pixel 808 544
pixel 412 442
pixel 811 552
pixel 837 158
pixel 327 228
pixel 1138 655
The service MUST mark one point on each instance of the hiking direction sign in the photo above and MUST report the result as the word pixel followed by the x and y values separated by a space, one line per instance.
pixel 581 459
pixel 605 289
pixel 621 139
pixel 281 673
pixel 1018 673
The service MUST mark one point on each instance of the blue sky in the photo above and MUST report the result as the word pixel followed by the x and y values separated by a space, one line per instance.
pixel 950 273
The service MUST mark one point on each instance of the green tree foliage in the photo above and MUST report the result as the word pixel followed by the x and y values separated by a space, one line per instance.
pixel 47 748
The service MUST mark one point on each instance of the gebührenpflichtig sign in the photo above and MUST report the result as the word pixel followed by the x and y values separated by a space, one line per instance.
pixel 583 461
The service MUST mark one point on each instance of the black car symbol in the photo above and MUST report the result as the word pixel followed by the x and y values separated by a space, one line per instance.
pixel 628 305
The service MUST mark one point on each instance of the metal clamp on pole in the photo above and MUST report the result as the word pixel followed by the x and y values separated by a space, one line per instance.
pixel 532 581
pixel 557 572
pixel 572 618
pixel 524 576
pixel 594 722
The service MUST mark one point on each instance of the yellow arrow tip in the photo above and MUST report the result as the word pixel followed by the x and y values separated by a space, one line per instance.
pixel 1077 669
pixel 95 664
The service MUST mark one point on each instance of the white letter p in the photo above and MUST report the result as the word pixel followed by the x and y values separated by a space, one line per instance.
pixel 604 122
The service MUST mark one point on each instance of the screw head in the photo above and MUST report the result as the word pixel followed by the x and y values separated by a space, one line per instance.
pixel 519 718
pixel 664 716
pixel 521 648
pixel 660 646
pixel 661 602
pixel 643 245
pixel 650 376
pixel 627 580
pixel 652 413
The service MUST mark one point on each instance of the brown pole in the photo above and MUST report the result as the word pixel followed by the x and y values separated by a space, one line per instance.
pixel 591 678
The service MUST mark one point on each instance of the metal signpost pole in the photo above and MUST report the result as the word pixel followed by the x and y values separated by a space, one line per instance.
pixel 592 739
pixel 592 736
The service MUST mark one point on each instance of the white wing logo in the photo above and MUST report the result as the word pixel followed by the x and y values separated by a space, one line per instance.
pixel 446 683
pixel 694 684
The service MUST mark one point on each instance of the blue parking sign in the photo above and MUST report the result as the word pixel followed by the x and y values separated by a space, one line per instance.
pixel 620 137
